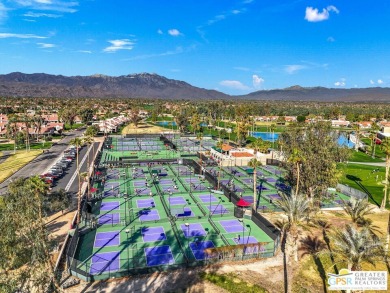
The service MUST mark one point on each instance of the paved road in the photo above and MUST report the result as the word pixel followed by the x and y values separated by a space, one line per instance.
pixel 379 164
pixel 43 161
pixel 64 182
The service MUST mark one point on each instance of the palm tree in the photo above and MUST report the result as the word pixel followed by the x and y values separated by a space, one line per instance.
pixel 254 163
pixel 89 140
pixel 219 145
pixel 296 208
pixel 312 245
pixel 296 158
pixel 78 142
pixel 357 209
pixel 40 188
pixel 385 146
pixel 374 131
pixel 199 136
pixel 195 120
pixel 356 247
pixel 356 128
pixel 272 128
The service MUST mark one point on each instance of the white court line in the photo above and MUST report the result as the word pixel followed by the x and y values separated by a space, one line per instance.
pixel 75 173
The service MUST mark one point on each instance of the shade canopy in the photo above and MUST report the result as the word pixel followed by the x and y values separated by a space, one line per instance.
pixel 242 203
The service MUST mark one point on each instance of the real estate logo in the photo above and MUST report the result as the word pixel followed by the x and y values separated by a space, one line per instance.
pixel 358 280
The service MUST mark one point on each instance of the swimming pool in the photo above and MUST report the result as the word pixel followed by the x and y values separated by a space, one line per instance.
pixel 265 136
pixel 342 140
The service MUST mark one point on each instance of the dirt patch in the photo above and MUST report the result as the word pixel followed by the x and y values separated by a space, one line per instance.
pixel 143 128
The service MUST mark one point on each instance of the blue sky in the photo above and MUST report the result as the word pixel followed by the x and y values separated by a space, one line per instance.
pixel 236 46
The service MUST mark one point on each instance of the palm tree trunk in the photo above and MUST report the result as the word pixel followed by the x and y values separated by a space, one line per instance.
pixel 383 205
pixel 373 149
pixel 88 169
pixel 297 187
pixel 79 189
pixel 254 188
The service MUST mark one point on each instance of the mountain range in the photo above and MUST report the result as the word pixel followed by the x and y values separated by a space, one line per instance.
pixel 146 85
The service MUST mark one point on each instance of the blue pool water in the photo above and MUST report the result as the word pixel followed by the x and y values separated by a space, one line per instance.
pixel 165 123
pixel 342 140
pixel 266 136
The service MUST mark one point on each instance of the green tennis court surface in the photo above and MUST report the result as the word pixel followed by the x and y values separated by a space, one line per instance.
pixel 154 216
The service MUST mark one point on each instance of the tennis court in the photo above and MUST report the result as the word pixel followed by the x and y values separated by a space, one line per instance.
pixel 159 215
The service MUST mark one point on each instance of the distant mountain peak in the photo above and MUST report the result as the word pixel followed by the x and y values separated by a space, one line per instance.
pixel 294 88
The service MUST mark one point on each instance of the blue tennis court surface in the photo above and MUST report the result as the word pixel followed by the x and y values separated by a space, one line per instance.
pixel 186 212
pixel 194 229
pixel 207 198
pixel 217 209
pixel 142 191
pixel 108 206
pixel 149 215
pixel 199 247
pixel 140 183
pixel 232 226
pixel 159 255
pixel 145 203
pixel 153 234
pixel 105 262
pixel 177 200
pixel 247 240
pixel 109 219
pixel 169 188
pixel 105 239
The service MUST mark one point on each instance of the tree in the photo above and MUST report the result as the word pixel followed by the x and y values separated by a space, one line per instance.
pixel 317 143
pixel 89 141
pixel 356 128
pixel 272 128
pixel 254 163
pixel 357 209
pixel 297 159
pixel 385 147
pixel 374 134
pixel 301 119
pixel 296 209
pixel 356 247
pixel 92 130
pixel 25 260
pixel 181 121
pixel 313 246
pixel 259 145
pixel 78 142
pixel 135 117
pixel 199 136
pixel 241 131
pixel 86 115
pixel 195 121
pixel 68 114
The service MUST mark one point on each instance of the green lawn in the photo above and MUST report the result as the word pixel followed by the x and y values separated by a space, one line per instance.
pixel 364 179
pixel 74 126
pixel 358 156
pixel 33 146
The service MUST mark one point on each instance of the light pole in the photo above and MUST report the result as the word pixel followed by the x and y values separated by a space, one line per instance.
pixel 125 196
pixel 209 188
pixel 188 237
pixel 243 228
pixel 128 256
pixel 169 199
